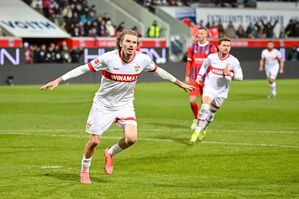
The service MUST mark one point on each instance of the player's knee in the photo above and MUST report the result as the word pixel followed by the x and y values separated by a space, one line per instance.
pixel 130 140
pixel 94 141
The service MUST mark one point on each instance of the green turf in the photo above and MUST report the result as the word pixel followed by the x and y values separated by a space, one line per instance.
pixel 251 150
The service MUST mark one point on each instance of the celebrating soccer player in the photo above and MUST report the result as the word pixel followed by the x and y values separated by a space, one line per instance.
pixel 223 67
pixel 271 59
pixel 197 54
pixel 113 102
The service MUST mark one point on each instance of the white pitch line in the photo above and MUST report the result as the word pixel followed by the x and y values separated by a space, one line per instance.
pixel 153 130
pixel 165 140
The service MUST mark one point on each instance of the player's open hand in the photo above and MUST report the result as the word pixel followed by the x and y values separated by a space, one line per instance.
pixel 52 85
pixel 185 86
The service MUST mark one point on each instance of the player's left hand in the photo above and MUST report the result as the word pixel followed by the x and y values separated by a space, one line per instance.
pixel 281 71
pixel 226 71
pixel 185 86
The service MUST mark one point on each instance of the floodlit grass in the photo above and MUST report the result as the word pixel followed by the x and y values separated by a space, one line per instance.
pixel 251 150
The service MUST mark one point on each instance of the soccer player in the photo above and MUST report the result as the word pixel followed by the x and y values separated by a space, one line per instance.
pixel 270 60
pixel 197 54
pixel 222 67
pixel 113 102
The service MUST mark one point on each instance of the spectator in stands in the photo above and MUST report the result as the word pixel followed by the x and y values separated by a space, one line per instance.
pixel 241 32
pixel 102 30
pixel 213 30
pixel 65 54
pixel 135 28
pixel 58 54
pixel 120 28
pixel 76 54
pixel 110 28
pixel 50 55
pixel 28 53
pixel 41 53
pixel 268 28
pixel 293 55
pixel 154 30
pixel 230 30
pixel 220 29
pixel 289 31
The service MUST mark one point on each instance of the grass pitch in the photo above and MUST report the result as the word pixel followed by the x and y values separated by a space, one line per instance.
pixel 251 149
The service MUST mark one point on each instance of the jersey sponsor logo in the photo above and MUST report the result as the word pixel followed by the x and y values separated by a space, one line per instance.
pixel 121 77
pixel 137 68
pixel 217 71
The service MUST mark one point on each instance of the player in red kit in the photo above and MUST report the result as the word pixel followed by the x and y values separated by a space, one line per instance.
pixel 197 54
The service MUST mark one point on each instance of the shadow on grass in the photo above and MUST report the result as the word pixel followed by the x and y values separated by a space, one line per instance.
pixel 73 177
pixel 168 125
pixel 184 141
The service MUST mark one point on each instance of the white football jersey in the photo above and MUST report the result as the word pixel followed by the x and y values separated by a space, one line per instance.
pixel 215 82
pixel 271 58
pixel 119 77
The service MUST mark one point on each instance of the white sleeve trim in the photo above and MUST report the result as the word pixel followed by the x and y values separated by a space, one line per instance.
pixel 75 72
pixel 165 75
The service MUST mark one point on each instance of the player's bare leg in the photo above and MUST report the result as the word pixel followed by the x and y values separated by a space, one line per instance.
pixel 130 137
pixel 272 85
pixel 194 108
pixel 202 120
pixel 89 149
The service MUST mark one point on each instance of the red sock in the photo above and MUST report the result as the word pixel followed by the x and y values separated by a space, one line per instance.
pixel 194 108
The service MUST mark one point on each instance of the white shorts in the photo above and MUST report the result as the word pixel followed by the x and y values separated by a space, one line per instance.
pixel 216 101
pixel 100 119
pixel 271 72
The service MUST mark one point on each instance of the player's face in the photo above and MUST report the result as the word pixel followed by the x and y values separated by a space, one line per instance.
pixel 224 47
pixel 202 35
pixel 270 45
pixel 129 44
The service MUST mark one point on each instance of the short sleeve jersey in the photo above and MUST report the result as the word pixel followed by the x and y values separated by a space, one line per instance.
pixel 119 77
pixel 271 58
pixel 215 81
pixel 197 54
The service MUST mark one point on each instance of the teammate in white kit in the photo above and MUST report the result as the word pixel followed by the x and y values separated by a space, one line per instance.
pixel 113 102
pixel 270 60
pixel 221 68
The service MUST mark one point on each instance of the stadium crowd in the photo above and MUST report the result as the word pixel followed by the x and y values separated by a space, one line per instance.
pixel 82 20
pixel 53 53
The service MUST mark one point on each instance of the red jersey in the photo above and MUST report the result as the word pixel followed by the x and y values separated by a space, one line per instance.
pixel 197 54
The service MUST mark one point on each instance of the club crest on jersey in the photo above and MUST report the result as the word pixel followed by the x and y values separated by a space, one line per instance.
pixel 137 68
pixel 96 61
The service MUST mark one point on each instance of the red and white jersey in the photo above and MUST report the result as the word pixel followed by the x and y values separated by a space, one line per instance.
pixel 271 58
pixel 215 82
pixel 197 54
pixel 119 77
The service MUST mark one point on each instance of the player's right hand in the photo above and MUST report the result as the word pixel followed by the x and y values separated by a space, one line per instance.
pixel 52 85
pixel 199 80
pixel 261 69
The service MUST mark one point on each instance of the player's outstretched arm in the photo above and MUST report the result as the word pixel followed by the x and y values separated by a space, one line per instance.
pixel 69 75
pixel 52 85
pixel 186 87
pixel 167 76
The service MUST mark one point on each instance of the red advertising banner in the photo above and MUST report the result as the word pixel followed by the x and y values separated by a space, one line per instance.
pixel 10 42
pixel 110 42
pixel 261 43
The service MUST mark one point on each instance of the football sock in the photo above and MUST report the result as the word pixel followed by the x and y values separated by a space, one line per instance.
pixel 210 118
pixel 194 108
pixel 85 163
pixel 273 87
pixel 115 149
pixel 203 114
